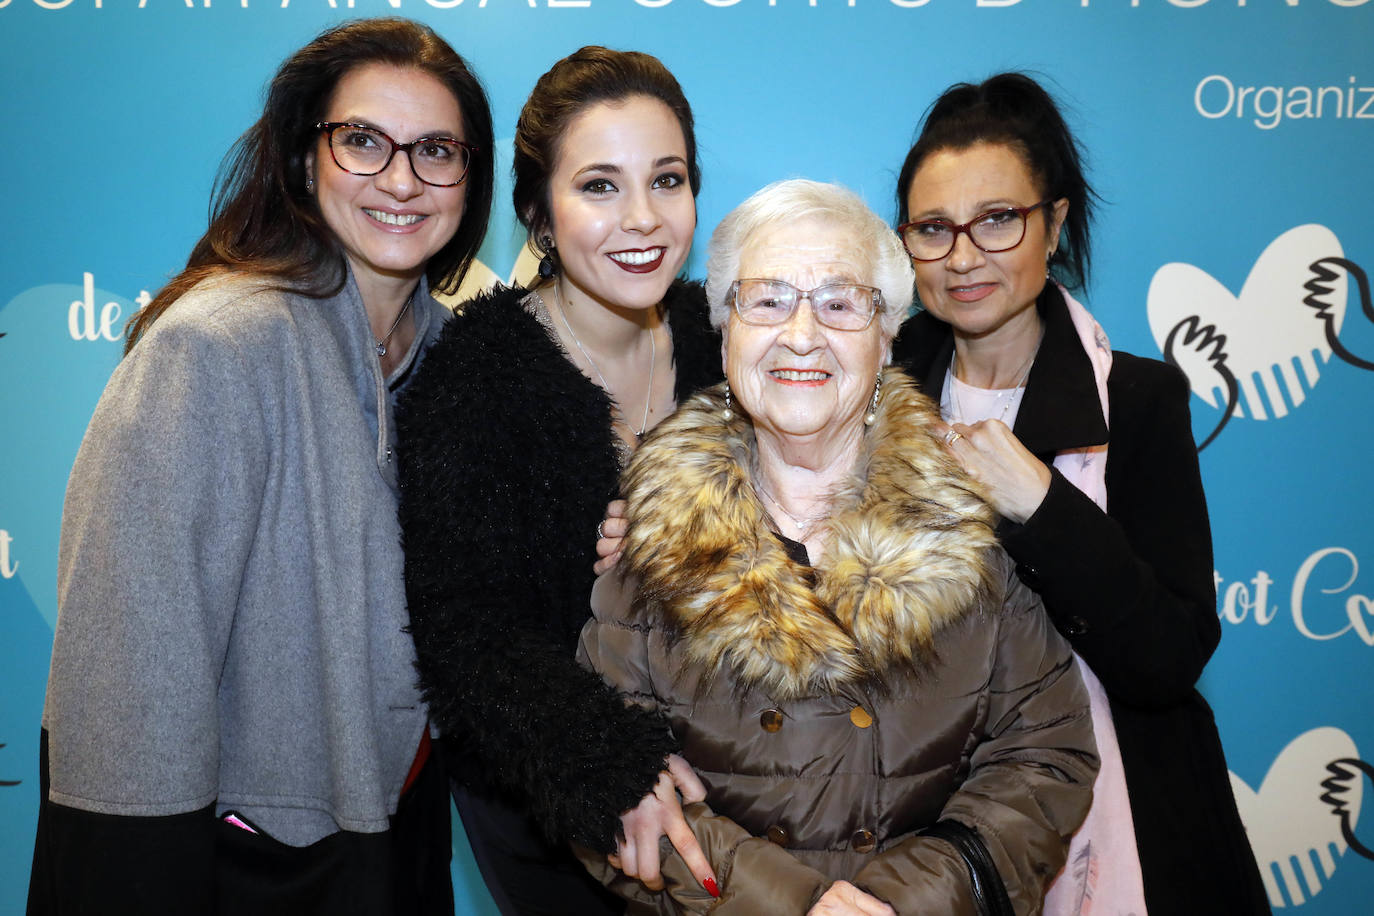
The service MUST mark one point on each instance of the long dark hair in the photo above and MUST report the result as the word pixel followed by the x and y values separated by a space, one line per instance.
pixel 587 76
pixel 262 218
pixel 1014 110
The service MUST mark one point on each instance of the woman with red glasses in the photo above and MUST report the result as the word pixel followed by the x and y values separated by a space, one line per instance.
pixel 1088 455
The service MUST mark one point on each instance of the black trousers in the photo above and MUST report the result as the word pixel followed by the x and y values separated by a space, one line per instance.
pixel 198 865
pixel 527 875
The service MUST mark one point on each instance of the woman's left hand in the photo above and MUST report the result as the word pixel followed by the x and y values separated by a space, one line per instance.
pixel 1015 480
pixel 844 899
pixel 659 814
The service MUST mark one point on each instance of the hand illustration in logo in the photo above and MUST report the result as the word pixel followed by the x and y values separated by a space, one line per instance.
pixel 1345 776
pixel 1325 271
pixel 1286 821
pixel 1234 347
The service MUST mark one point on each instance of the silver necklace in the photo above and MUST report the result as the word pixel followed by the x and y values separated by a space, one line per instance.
pixel 803 524
pixel 381 344
pixel 653 357
pixel 1007 397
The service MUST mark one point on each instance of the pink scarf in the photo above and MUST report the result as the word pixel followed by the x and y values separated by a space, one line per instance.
pixel 1102 875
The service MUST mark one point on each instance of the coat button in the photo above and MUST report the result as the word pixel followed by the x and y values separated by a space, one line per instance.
pixel 778 834
pixel 863 841
pixel 860 717
pixel 1029 575
pixel 771 720
pixel 1074 627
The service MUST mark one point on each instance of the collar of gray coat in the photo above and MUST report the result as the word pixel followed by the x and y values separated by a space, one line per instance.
pixel 910 551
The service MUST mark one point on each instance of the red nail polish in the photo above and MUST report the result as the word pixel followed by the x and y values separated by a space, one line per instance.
pixel 710 884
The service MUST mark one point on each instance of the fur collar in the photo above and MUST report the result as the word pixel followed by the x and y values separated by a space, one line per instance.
pixel 910 552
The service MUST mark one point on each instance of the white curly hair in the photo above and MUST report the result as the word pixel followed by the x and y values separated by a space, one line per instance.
pixel 796 199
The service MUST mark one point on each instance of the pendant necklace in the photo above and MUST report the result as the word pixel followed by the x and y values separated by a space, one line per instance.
pixel 1008 396
pixel 803 524
pixel 653 356
pixel 381 344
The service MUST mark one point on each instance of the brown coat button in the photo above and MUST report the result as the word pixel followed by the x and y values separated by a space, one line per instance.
pixel 863 841
pixel 860 717
pixel 778 834
pixel 771 719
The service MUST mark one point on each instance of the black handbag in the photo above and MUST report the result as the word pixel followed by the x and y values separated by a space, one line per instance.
pixel 989 893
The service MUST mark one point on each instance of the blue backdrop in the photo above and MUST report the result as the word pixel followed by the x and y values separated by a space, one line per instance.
pixel 1229 139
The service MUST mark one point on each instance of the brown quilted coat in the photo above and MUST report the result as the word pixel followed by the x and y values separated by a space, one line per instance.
pixel 833 712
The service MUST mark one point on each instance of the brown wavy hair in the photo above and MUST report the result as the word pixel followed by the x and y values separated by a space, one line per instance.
pixel 262 218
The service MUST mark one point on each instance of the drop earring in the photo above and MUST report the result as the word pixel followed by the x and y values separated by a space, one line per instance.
pixel 727 414
pixel 872 416
pixel 310 186
pixel 546 266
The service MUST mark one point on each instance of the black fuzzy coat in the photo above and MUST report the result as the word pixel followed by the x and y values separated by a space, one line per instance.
pixel 1132 590
pixel 507 460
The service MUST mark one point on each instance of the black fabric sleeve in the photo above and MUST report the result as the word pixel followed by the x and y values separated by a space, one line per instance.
pixel 103 863
pixel 506 465
pixel 1131 588
pixel 550 736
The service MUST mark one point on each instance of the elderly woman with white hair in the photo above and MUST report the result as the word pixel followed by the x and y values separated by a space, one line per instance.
pixel 812 591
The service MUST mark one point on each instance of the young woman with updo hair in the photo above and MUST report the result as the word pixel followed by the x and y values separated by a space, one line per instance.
pixel 512 440
pixel 1087 454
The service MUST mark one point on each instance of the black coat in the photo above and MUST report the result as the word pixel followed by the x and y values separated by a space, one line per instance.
pixel 507 460
pixel 1132 590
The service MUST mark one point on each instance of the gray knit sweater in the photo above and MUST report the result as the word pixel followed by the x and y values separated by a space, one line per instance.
pixel 231 604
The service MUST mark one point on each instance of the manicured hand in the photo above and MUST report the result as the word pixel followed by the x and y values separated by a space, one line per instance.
pixel 659 814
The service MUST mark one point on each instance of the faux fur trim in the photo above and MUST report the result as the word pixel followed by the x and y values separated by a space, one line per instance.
pixel 910 552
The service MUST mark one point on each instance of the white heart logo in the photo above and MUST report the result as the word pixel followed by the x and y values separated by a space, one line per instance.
pixel 1288 819
pixel 1358 608
pixel 1226 343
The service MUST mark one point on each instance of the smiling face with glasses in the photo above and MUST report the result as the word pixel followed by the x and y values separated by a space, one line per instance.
pixel 980 238
pixel 362 150
pixel 391 205
pixel 842 306
pixel 802 346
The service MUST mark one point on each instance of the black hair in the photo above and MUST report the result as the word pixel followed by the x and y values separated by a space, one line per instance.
pixel 1014 110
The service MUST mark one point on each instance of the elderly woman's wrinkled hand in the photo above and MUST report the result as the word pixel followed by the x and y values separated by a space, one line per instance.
pixel 659 814
pixel 1015 480
pixel 609 534
pixel 844 899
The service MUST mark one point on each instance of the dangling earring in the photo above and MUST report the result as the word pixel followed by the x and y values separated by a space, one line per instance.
pixel 872 416
pixel 727 414
pixel 310 186
pixel 546 266
pixel 1048 258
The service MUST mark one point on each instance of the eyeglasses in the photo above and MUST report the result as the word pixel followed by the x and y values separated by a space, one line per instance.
pixel 993 231
pixel 842 306
pixel 362 150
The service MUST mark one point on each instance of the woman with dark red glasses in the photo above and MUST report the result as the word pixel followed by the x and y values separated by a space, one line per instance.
pixel 1088 456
